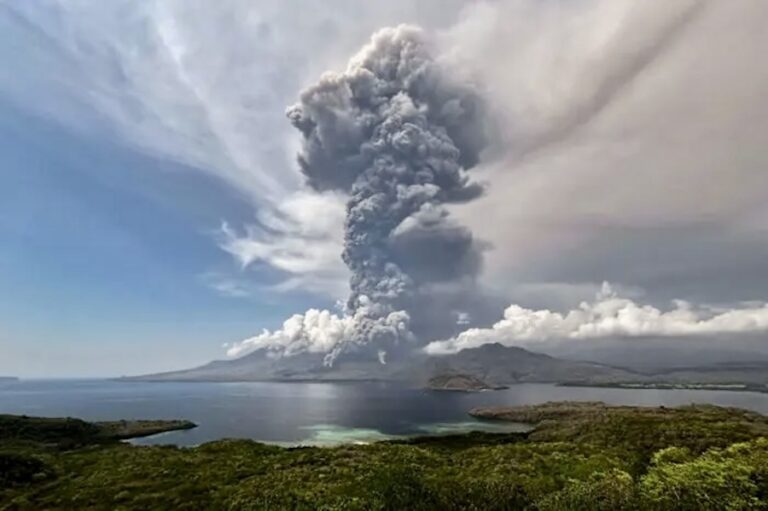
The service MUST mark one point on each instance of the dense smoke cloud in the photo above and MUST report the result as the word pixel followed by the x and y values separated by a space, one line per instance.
pixel 633 146
pixel 607 317
pixel 552 67
pixel 617 161
pixel 396 133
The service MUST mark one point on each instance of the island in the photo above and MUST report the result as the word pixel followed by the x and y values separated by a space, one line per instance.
pixel 4 379
pixel 460 383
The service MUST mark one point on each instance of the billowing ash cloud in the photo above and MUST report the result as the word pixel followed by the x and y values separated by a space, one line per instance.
pixel 608 316
pixel 320 331
pixel 396 134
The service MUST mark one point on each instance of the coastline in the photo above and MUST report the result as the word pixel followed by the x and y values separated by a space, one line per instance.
pixel 730 387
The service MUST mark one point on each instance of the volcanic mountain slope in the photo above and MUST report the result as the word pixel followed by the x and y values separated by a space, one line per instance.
pixel 495 364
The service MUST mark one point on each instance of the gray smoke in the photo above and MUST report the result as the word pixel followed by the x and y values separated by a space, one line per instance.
pixel 396 133
pixel 649 50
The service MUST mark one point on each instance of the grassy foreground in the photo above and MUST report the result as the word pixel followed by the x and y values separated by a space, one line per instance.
pixel 579 457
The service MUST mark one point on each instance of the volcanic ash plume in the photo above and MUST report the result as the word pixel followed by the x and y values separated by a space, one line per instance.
pixel 396 134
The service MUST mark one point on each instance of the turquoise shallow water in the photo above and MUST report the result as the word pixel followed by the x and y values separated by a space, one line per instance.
pixel 327 435
pixel 314 413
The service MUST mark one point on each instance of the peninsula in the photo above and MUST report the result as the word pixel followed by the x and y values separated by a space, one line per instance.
pixel 75 432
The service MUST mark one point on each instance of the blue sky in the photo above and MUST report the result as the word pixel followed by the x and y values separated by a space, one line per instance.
pixel 151 208
pixel 106 254
pixel 130 133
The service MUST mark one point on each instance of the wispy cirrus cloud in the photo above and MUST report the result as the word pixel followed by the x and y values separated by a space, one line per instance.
pixel 302 238
pixel 207 86
pixel 228 286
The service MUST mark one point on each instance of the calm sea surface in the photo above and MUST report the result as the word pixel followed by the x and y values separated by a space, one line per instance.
pixel 313 413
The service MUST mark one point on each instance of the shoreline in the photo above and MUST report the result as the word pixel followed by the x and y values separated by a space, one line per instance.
pixel 728 387
pixel 132 429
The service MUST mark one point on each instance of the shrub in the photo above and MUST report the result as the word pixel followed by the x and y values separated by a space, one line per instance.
pixel 17 469
pixel 603 491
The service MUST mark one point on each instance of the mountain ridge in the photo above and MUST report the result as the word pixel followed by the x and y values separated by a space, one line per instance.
pixel 492 363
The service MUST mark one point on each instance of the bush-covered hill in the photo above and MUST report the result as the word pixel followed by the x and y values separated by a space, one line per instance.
pixel 579 457
pixel 69 433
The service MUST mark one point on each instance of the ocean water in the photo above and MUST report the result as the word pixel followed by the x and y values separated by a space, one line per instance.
pixel 314 413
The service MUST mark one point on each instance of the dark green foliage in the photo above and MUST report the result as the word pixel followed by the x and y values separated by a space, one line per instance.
pixel 17 469
pixel 729 479
pixel 463 441
pixel 601 491
pixel 120 430
pixel 638 432
pixel 596 458
pixel 66 432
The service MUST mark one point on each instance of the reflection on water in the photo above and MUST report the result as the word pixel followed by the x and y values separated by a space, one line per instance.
pixel 314 413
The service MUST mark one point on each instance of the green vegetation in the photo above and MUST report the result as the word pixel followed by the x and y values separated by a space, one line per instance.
pixel 68 433
pixel 578 457
pixel 122 430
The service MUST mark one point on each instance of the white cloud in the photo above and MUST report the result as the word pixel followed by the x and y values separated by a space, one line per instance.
pixel 150 73
pixel 198 83
pixel 302 237
pixel 227 285
pixel 318 331
pixel 194 81
pixel 315 331
pixel 608 316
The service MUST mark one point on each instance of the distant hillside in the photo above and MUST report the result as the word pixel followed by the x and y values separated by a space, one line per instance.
pixel 259 366
pixel 460 382
pixel 493 364
pixel 497 364
pixel 754 372
pixel 650 355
